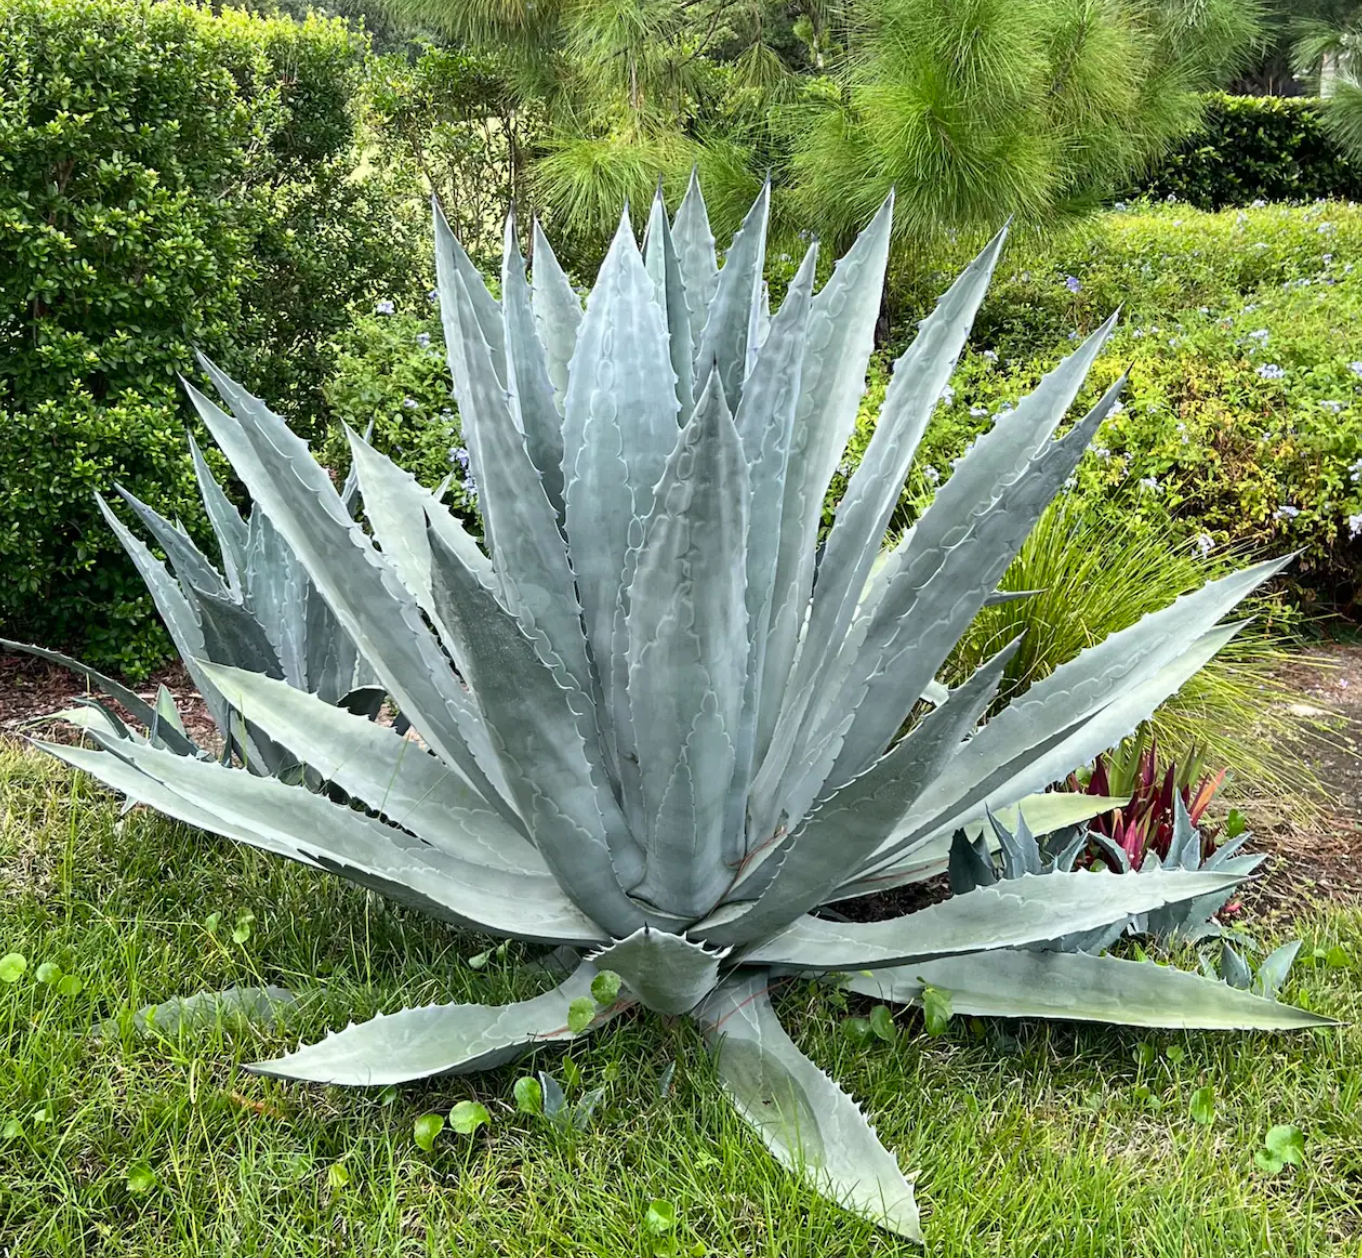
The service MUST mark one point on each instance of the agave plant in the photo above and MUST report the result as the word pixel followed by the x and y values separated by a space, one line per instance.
pixel 259 612
pixel 658 724
pixel 1022 854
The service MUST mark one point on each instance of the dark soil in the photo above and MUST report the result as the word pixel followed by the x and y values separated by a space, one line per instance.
pixel 32 689
pixel 1317 859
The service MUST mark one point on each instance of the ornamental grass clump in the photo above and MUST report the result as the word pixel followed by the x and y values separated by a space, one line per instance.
pixel 660 725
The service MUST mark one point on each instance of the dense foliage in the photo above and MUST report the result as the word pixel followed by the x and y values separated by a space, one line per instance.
pixel 389 372
pixel 1093 575
pixel 445 121
pixel 168 178
pixel 1257 148
pixel 1034 108
pixel 973 109
pixel 1242 421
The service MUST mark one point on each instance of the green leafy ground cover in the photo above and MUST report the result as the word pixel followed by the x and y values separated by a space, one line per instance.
pixel 1033 1139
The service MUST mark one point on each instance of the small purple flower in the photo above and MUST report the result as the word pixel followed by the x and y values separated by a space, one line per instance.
pixel 1119 207
pixel 384 308
pixel 410 403
pixel 1270 371
pixel 1150 485
pixel 1354 525
pixel 459 455
pixel 991 355
pixel 948 396
pixel 423 339
pixel 931 475
pixel 1286 512
pixel 433 296
pixel 1072 284
pixel 1204 543
pixel 1332 407
pixel 978 412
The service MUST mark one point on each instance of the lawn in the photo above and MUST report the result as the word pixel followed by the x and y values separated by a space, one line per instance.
pixel 1028 1139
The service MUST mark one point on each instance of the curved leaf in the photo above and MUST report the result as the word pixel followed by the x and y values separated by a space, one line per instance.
pixel 390 773
pixel 293 822
pixel 359 585
pixel 1084 988
pixel 528 385
pixel 667 973
pixel 1023 911
pixel 807 1122
pixel 688 658
pixel 434 1040
pixel 536 726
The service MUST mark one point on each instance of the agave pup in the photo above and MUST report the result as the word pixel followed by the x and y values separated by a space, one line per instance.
pixel 658 724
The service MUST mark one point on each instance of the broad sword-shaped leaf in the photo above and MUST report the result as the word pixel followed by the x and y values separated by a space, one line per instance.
pixel 807 1122
pixel 436 1040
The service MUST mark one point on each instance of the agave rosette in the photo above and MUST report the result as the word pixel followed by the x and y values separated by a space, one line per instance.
pixel 658 723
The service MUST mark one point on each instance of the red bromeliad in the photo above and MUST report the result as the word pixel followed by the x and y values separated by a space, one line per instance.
pixel 1145 824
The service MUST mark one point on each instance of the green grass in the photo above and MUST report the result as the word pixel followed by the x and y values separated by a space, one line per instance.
pixel 1038 1144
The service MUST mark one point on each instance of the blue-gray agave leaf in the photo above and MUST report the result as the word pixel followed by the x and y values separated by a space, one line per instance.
pixel 1083 988
pixel 688 645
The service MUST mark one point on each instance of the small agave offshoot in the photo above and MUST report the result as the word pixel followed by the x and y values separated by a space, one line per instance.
pixel 258 612
pixel 658 724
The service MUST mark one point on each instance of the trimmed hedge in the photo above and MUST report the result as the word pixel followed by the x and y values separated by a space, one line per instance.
pixel 169 179
pixel 1255 148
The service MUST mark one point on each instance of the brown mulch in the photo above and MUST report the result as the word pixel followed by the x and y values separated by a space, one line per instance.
pixel 32 688
pixel 1316 859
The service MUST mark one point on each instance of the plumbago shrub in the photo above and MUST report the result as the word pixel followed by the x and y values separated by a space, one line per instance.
pixel 168 180
pixel 390 371
pixel 1241 425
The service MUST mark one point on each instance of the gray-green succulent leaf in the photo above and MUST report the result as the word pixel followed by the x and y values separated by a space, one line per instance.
pixel 642 718
pixel 438 1039
pixel 1084 988
pixel 807 1122
pixel 1022 852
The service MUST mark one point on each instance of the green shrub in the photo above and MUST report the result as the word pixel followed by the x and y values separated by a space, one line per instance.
pixel 169 179
pixel 1256 148
pixel 390 371
pixel 445 121
pixel 1242 422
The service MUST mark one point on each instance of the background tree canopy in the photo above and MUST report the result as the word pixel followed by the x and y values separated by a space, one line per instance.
pixel 973 109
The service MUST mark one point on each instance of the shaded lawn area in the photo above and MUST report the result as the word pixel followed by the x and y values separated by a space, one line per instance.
pixel 1028 1138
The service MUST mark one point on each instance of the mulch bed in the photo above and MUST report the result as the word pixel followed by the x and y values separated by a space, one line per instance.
pixel 32 688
